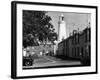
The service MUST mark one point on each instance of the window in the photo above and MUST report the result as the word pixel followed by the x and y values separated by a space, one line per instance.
pixel 89 50
pixel 72 51
pixel 72 40
pixel 82 52
pixel 78 52
pixel 78 38
pixel 87 35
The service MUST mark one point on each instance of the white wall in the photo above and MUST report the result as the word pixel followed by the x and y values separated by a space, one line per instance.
pixel 5 40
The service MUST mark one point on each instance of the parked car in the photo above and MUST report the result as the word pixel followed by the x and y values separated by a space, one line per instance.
pixel 28 61
pixel 86 61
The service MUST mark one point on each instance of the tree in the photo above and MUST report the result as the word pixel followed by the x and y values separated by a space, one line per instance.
pixel 37 28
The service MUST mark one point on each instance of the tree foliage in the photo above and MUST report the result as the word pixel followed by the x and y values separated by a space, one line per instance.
pixel 37 28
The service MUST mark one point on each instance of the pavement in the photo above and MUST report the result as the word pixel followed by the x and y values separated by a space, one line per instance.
pixel 45 61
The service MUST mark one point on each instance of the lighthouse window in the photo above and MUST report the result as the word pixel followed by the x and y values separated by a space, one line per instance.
pixel 62 18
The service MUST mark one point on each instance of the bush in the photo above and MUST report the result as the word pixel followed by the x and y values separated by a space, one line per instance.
pixel 34 56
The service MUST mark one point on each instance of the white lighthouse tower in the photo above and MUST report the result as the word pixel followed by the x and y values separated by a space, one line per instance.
pixel 61 29
pixel 62 34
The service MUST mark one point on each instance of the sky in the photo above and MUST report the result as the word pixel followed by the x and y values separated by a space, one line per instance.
pixel 72 20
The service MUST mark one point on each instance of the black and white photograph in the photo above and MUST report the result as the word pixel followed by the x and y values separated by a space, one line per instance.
pixel 53 39
pixel 56 39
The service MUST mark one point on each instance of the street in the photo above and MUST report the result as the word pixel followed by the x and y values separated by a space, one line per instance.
pixel 44 61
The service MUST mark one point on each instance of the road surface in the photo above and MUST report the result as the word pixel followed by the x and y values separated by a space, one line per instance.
pixel 45 61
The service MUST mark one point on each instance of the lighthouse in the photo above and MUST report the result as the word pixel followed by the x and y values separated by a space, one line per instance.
pixel 61 28
pixel 62 34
